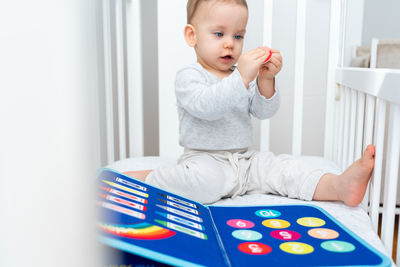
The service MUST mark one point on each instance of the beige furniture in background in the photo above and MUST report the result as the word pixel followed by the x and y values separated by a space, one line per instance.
pixel 385 54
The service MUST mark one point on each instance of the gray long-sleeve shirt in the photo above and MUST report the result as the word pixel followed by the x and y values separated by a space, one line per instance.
pixel 214 114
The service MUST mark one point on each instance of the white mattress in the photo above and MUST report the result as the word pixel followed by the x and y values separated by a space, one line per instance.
pixel 355 218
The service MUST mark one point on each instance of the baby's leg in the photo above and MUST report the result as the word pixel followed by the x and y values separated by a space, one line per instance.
pixel 199 177
pixel 351 185
pixel 283 175
pixel 140 175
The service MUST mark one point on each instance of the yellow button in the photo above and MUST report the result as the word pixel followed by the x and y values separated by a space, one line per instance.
pixel 276 223
pixel 310 222
pixel 296 248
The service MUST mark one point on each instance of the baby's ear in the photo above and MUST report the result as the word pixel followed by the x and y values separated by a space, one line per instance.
pixel 190 35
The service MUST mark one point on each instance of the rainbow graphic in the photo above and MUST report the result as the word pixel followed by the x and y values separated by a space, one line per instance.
pixel 144 231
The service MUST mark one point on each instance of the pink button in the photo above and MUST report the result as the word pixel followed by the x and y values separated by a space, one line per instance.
pixel 285 235
pixel 254 248
pixel 238 223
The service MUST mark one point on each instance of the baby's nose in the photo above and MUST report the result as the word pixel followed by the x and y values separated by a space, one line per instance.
pixel 228 44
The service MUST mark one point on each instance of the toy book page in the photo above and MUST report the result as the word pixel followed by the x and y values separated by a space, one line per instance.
pixel 143 220
pixel 290 235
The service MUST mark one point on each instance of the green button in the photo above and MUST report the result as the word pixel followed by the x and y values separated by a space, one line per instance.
pixel 247 235
pixel 338 246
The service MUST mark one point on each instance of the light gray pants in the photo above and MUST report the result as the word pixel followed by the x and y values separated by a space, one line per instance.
pixel 208 176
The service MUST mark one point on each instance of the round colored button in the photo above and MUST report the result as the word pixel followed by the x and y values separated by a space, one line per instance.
pixel 338 246
pixel 268 213
pixel 296 248
pixel 310 221
pixel 323 233
pixel 238 223
pixel 248 235
pixel 276 223
pixel 254 248
pixel 285 235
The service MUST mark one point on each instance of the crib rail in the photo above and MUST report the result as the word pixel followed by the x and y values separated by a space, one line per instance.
pixel 122 79
pixel 363 99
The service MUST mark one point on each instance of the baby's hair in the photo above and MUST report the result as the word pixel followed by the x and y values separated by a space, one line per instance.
pixel 192 6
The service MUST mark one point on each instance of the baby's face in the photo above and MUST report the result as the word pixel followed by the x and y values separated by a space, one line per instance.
pixel 220 29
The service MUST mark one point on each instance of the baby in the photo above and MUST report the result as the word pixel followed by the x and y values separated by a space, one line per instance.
pixel 216 97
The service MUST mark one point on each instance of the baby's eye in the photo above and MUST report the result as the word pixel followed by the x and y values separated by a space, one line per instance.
pixel 238 37
pixel 219 34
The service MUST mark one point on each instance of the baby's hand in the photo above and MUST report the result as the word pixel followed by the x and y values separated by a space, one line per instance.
pixel 250 62
pixel 268 70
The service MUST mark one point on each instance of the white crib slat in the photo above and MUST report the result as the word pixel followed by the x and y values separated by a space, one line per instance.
pixel 392 170
pixel 368 135
pixel 359 124
pixel 340 128
pixel 299 77
pixel 134 78
pixel 379 136
pixel 346 128
pixel 369 120
pixel 119 32
pixel 333 60
pixel 353 108
pixel 335 140
pixel 265 124
pixel 108 81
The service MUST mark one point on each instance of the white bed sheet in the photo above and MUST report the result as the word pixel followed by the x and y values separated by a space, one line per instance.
pixel 355 218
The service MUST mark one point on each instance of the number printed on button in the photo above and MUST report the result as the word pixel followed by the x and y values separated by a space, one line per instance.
pixel 268 213
pixel 247 235
pixel 254 248
pixel 296 248
pixel 285 235
pixel 323 233
pixel 238 223
pixel 276 223
pixel 311 222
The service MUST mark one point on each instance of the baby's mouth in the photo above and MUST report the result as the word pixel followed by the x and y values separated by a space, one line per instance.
pixel 227 57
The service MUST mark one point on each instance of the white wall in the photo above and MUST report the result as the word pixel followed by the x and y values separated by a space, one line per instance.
pixel 150 81
pixel 381 20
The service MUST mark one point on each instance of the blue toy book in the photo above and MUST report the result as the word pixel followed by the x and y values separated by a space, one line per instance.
pixel 152 223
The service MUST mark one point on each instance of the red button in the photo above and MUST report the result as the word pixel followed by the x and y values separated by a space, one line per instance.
pixel 254 248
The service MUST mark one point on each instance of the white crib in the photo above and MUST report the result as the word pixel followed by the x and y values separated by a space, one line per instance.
pixel 362 107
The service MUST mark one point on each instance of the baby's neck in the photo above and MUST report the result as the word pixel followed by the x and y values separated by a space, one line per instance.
pixel 219 73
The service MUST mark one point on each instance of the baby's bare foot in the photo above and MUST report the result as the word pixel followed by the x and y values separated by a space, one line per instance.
pixel 140 175
pixel 354 180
